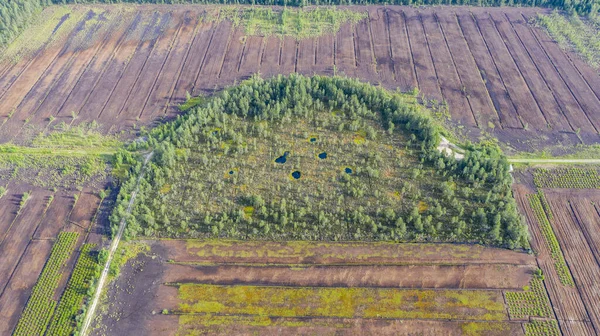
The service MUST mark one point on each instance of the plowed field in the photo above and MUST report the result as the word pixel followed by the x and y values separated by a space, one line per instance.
pixel 575 222
pixel 130 67
pixel 180 287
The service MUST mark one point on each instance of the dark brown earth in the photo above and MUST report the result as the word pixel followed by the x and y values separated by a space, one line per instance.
pixel 496 72
pixel 146 286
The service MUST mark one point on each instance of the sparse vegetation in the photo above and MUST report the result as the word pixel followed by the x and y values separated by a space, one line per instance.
pixel 70 157
pixel 125 252
pixel 576 33
pixel 297 23
pixel 279 252
pixel 55 23
pixel 24 199
pixel 16 15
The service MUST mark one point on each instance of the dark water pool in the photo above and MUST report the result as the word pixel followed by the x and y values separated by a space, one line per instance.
pixel 323 156
pixel 282 159
pixel 296 174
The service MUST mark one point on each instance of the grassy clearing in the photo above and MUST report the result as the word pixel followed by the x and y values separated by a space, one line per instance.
pixel 297 23
pixel 579 152
pixel 574 33
pixel 71 157
pixel 343 251
pixel 86 136
pixel 54 23
pixel 341 302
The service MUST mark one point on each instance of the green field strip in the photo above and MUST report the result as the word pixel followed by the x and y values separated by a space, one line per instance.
pixel 71 301
pixel 299 23
pixel 552 242
pixel 542 328
pixel 294 249
pixel 571 178
pixel 532 302
pixel 41 304
pixel 194 322
pixel 342 302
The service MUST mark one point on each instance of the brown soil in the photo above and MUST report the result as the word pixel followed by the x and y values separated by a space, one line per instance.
pixel 13 301
pixel 488 65
pixel 19 234
pixel 413 276
pixel 56 216
pixel 578 254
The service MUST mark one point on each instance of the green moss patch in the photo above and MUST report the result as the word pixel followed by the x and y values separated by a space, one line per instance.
pixel 341 302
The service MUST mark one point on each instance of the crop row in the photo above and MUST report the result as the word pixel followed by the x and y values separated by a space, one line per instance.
pixel 531 302
pixel 69 306
pixel 41 304
pixel 545 204
pixel 577 178
pixel 542 328
pixel 556 253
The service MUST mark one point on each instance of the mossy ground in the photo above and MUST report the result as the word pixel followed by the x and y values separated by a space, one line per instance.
pixel 248 250
pixel 342 302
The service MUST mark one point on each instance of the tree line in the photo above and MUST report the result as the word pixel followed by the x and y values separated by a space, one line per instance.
pixel 473 201
pixel 15 15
